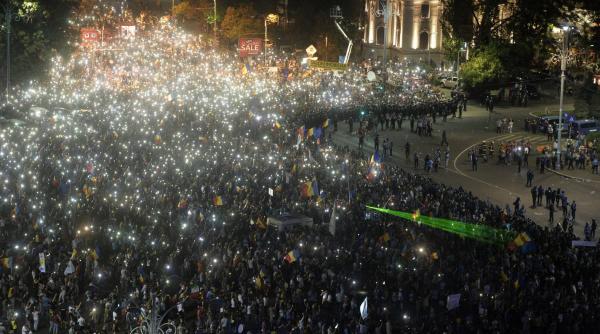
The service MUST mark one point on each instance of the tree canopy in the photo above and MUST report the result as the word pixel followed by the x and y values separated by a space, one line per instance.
pixel 240 21
pixel 38 27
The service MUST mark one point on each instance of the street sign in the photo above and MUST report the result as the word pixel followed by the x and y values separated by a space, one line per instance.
pixel 327 65
pixel 311 50
pixel 249 46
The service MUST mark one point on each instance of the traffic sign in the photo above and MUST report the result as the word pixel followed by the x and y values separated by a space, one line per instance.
pixel 311 50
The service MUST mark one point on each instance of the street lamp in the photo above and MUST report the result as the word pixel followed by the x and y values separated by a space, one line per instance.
pixel 464 48
pixel 215 19
pixel 8 16
pixel 563 67
pixel 270 18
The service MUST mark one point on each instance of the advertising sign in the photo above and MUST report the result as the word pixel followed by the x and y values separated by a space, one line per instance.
pixel 128 31
pixel 327 65
pixel 250 46
pixel 89 35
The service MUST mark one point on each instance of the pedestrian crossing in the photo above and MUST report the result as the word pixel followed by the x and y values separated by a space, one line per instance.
pixel 535 140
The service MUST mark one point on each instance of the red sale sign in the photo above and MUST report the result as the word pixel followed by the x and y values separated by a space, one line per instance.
pixel 250 46
pixel 89 35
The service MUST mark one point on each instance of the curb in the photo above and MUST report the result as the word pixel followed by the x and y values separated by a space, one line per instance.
pixel 572 177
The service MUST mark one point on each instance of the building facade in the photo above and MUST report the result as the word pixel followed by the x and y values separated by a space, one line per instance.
pixel 405 29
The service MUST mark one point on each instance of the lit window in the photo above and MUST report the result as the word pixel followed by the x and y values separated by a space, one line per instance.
pixel 425 10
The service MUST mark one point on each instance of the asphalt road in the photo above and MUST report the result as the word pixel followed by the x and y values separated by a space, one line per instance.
pixel 497 183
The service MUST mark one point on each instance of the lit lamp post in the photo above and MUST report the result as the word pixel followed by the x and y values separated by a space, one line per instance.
pixel 215 19
pixel 270 18
pixel 464 48
pixel 8 16
pixel 563 67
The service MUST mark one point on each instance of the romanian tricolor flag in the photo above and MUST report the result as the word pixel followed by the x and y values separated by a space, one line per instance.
pixel 306 189
pixel 384 238
pixel 310 132
pixel 217 201
pixel 416 215
pixel 326 123
pixel 292 256
pixel 521 239
pixel 183 203
pixel 246 69
pixel 372 174
pixel 260 223
pixel 315 188
pixel 300 132
pixel 375 158
pixel 6 262
pixel 93 255
pixel 259 282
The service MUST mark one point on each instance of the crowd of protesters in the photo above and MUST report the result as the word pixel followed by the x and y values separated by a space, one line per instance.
pixel 125 198
pixel 578 153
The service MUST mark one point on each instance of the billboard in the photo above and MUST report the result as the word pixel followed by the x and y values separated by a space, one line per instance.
pixel 327 65
pixel 89 35
pixel 250 46
pixel 128 31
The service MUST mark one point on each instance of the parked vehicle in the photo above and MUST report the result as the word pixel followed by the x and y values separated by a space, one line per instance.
pixel 585 126
pixel 545 121
pixel 450 82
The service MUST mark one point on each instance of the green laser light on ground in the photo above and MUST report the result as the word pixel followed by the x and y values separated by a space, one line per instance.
pixel 478 232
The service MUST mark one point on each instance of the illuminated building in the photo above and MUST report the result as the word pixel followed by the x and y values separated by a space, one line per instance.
pixel 414 29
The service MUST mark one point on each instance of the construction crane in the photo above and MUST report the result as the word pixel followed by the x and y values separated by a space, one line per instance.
pixel 336 14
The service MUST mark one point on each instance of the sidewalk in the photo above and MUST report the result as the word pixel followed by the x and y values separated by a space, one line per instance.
pixel 583 175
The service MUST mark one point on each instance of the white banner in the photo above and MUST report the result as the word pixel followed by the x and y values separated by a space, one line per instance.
pixel 363 309
pixel 70 268
pixel 583 243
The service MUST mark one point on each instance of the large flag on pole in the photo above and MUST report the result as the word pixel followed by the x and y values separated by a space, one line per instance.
pixel 363 309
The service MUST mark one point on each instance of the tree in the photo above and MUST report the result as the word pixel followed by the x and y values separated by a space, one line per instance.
pixel 240 21
pixel 525 23
pixel 483 69
pixel 196 14
pixel 37 28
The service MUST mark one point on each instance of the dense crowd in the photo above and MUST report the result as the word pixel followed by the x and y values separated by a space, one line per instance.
pixel 141 181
